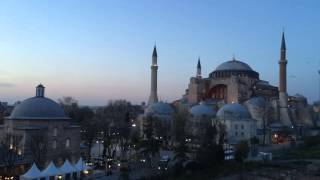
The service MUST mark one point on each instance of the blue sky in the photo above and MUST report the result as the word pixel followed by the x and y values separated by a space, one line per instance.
pixel 100 50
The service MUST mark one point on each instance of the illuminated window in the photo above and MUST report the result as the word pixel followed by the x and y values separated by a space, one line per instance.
pixel 54 144
pixel 67 143
pixel 55 132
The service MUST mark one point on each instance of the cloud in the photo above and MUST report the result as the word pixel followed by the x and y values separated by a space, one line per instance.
pixel 6 85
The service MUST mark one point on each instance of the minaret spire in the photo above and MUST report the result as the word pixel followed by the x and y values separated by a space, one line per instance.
pixel 154 70
pixel 283 42
pixel 283 66
pixel 199 68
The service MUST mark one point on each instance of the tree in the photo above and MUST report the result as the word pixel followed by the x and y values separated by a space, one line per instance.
pixel 9 151
pixel 115 125
pixel 179 132
pixel 241 151
pixel 179 124
pixel 38 145
pixel 254 141
pixel 210 153
pixel 150 145
pixel 70 107
pixel 89 133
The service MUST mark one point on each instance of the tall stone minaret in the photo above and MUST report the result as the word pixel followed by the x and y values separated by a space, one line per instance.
pixel 283 96
pixel 283 67
pixel 154 68
pixel 198 69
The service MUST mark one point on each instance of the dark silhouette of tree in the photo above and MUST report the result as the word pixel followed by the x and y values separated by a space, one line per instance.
pixel 254 141
pixel 179 123
pixel 115 125
pixel 150 146
pixel 241 151
pixel 9 152
pixel 70 106
pixel 89 133
pixel 211 151
pixel 38 145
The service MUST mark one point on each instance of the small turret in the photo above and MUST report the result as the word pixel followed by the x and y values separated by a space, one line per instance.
pixel 199 68
pixel 40 90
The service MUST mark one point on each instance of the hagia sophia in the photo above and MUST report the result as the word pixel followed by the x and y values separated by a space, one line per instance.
pixel 234 94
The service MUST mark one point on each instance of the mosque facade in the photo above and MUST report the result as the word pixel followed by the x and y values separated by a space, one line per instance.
pixel 235 95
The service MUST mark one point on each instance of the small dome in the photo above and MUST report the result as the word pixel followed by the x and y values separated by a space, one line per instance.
pixel 299 96
pixel 233 65
pixel 202 110
pixel 159 108
pixel 234 111
pixel 38 108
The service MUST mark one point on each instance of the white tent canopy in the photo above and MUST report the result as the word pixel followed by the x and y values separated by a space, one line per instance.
pixel 80 165
pixel 51 170
pixel 67 167
pixel 32 173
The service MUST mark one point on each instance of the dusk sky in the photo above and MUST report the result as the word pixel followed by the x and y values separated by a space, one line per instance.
pixel 100 50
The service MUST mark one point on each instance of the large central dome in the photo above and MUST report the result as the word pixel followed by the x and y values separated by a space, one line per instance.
pixel 234 65
pixel 234 68
pixel 38 107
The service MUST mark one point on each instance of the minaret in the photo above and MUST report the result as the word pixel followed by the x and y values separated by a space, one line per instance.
pixel 154 68
pixel 40 90
pixel 199 69
pixel 283 96
pixel 283 67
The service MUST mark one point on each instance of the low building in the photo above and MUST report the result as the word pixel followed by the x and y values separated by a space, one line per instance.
pixel 238 123
pixel 42 131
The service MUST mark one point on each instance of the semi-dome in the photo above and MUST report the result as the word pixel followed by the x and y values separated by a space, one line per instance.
pixel 202 110
pixel 234 111
pixel 233 65
pixel 38 107
pixel 159 108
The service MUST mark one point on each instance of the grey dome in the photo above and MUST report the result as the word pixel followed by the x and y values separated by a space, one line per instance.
pixel 159 108
pixel 202 110
pixel 233 111
pixel 38 108
pixel 234 65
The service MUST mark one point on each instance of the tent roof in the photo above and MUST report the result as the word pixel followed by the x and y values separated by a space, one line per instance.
pixel 67 167
pixel 51 170
pixel 32 173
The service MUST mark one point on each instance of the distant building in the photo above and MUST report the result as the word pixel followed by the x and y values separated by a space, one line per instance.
pixel 40 122
pixel 238 123
pixel 247 105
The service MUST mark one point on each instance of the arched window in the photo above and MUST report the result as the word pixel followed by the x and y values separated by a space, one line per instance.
pixel 54 144
pixel 67 142
pixel 55 131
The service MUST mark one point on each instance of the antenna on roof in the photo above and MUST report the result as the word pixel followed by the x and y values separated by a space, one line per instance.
pixel 233 57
